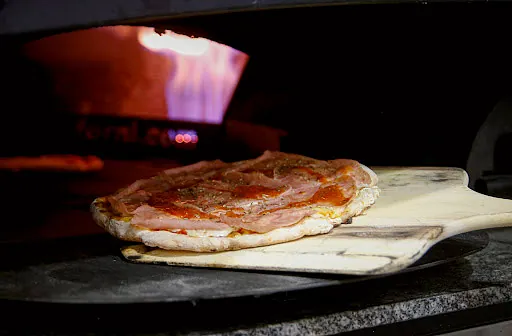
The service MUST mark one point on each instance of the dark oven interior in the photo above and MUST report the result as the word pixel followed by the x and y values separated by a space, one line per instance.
pixel 394 84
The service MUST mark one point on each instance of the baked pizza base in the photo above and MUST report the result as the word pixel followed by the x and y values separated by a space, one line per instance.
pixel 325 219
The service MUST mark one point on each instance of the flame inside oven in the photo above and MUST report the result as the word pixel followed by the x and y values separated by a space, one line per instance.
pixel 135 72
pixel 203 76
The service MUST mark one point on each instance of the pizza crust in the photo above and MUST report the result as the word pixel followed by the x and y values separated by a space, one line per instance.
pixel 374 178
pixel 322 222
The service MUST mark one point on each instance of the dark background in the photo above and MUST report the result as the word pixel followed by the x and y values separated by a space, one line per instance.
pixel 385 84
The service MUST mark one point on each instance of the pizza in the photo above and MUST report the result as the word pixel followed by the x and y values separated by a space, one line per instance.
pixel 214 206
pixel 57 163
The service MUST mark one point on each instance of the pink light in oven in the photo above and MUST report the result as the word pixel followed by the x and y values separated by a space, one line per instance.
pixel 179 138
pixel 203 77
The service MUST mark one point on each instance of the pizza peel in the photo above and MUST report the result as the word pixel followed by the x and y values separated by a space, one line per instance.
pixel 418 208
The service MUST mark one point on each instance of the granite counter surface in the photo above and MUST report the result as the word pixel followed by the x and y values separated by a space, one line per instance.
pixel 479 280
pixel 483 279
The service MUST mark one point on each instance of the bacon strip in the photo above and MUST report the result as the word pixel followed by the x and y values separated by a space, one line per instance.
pixel 272 191
pixel 154 219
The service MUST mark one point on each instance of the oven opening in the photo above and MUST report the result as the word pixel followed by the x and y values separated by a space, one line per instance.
pixel 386 85
pixel 114 81
pixel 141 72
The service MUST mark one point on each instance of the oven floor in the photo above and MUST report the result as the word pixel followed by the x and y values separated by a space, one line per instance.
pixel 60 202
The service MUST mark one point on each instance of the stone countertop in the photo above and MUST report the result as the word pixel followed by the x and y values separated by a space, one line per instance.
pixel 480 280
pixel 475 284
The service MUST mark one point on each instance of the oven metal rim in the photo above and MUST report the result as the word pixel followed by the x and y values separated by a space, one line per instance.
pixel 54 16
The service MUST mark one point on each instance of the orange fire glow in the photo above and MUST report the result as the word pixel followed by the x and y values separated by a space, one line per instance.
pixel 203 78
pixel 173 42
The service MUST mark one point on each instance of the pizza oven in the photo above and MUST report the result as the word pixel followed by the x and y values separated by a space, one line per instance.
pixel 355 84
pixel 384 84
pixel 143 85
